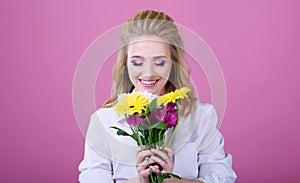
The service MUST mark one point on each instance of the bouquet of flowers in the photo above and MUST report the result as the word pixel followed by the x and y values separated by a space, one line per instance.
pixel 149 118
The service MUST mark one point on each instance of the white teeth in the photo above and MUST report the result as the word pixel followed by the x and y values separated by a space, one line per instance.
pixel 148 82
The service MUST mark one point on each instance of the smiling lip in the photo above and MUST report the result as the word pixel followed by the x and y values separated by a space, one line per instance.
pixel 148 83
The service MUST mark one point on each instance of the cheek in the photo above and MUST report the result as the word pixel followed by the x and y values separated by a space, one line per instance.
pixel 132 72
pixel 165 72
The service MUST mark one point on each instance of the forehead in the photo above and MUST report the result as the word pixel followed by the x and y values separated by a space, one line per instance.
pixel 148 46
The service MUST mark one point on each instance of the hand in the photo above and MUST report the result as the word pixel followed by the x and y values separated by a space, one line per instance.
pixel 142 164
pixel 165 161
pixel 162 158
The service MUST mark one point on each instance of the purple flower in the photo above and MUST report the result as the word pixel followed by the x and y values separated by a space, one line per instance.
pixel 171 115
pixel 157 115
pixel 134 120
pixel 168 114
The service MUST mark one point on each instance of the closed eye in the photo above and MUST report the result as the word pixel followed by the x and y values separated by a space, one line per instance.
pixel 160 62
pixel 137 62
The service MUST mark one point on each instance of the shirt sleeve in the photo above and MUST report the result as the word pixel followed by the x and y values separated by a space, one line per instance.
pixel 96 166
pixel 215 166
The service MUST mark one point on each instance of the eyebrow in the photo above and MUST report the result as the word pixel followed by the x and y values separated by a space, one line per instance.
pixel 155 57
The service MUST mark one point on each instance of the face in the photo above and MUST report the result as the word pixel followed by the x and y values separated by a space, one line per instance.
pixel 149 64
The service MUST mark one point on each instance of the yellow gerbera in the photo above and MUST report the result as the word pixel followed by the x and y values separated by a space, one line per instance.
pixel 133 104
pixel 173 96
pixel 122 106
pixel 183 92
pixel 137 103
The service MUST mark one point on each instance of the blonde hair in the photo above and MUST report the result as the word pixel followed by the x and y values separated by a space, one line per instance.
pixel 158 24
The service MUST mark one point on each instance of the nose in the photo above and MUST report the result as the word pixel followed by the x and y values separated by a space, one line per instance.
pixel 149 69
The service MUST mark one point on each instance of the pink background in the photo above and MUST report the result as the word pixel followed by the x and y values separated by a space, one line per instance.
pixel 256 43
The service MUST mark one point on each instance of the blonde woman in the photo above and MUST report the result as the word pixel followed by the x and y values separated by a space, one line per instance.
pixel 151 58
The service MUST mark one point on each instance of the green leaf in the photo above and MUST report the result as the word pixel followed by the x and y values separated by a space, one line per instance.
pixel 160 177
pixel 169 175
pixel 135 136
pixel 152 105
pixel 120 131
pixel 160 125
pixel 152 175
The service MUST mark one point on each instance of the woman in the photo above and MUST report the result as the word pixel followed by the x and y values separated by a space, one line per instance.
pixel 151 58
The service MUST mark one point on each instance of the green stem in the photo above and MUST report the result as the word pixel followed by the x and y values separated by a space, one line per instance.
pixel 135 131
pixel 172 135
pixel 159 138
pixel 149 130
pixel 130 125
pixel 138 134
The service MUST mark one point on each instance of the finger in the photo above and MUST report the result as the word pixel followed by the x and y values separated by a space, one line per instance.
pixel 144 165
pixel 140 148
pixel 142 154
pixel 154 169
pixel 146 172
pixel 170 162
pixel 159 161
pixel 163 171
pixel 169 151
pixel 160 153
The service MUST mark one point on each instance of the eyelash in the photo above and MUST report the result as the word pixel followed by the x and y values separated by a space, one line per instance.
pixel 136 63
pixel 139 63
pixel 160 63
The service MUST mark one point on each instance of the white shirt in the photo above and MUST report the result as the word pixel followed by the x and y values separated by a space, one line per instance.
pixel 198 149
